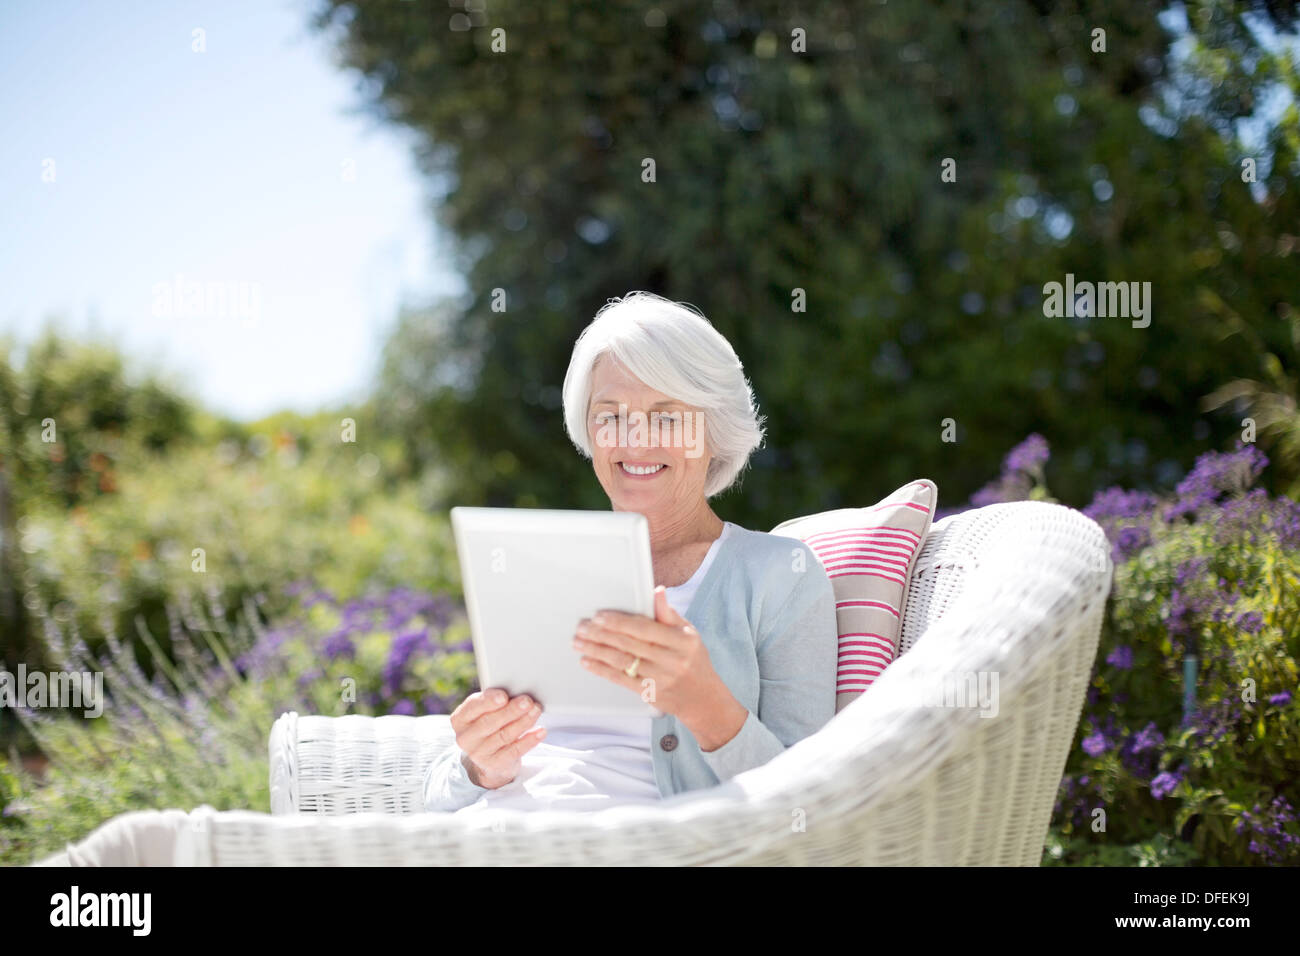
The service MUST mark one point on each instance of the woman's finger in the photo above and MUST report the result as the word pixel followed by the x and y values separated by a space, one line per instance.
pixel 476 705
pixel 592 636
pixel 477 736
pixel 638 626
pixel 507 757
pixel 614 674
pixel 507 735
pixel 619 660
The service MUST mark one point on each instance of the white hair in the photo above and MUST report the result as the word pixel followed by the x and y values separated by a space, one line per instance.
pixel 673 349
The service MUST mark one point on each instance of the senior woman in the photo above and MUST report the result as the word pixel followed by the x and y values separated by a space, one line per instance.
pixel 741 651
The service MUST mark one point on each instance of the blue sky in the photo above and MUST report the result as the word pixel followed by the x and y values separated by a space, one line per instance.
pixel 249 171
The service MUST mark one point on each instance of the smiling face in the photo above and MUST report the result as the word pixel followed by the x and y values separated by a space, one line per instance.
pixel 659 469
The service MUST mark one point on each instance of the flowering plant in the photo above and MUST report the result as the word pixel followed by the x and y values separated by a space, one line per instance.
pixel 195 731
pixel 1188 748
pixel 399 651
pixel 1191 727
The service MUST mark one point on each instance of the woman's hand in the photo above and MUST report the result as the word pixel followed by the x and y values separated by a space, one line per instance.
pixel 490 731
pixel 674 675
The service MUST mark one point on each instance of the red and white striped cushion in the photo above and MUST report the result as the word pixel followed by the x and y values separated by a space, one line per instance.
pixel 868 554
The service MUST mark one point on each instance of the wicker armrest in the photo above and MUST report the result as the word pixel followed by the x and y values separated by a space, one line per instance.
pixel 353 764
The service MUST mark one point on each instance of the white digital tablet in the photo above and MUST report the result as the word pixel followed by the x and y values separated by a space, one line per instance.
pixel 529 576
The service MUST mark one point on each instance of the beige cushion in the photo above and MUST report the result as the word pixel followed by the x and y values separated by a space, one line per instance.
pixel 868 554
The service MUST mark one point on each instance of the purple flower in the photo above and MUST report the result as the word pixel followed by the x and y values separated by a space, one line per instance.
pixel 1022 464
pixel 1184 612
pixel 1280 700
pixel 1215 475
pixel 404 605
pixel 1115 502
pixel 1076 799
pixel 1095 745
pixel 1125 516
pixel 1190 570
pixel 1121 657
pixel 1141 751
pixel 1215 721
pixel 1252 622
pixel 403 707
pixel 1164 784
pixel 404 645
pixel 339 644
pixel 1128 542
pixel 1029 456
pixel 1013 487
pixel 260 659
pixel 320 596
pixel 1148 738
pixel 1254 515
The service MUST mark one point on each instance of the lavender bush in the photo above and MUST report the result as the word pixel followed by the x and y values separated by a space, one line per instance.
pixel 397 652
pixel 196 732
pixel 1208 774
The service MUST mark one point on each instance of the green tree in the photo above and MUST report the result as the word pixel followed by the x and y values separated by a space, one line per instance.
pixel 818 168
pixel 67 412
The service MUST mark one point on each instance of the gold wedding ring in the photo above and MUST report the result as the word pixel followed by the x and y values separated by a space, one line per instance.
pixel 631 671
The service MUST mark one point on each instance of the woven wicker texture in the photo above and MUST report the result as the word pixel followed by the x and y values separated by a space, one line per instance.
pixel 1013 590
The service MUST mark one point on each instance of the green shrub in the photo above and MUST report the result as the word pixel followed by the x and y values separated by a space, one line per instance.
pixel 1161 773
pixel 196 733
pixel 1210 574
pixel 220 525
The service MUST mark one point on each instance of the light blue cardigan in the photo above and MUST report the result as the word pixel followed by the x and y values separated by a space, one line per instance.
pixel 766 612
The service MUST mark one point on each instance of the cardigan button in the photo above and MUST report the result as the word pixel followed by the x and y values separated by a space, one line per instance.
pixel 668 742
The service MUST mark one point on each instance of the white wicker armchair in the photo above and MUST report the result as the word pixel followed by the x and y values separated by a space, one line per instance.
pixel 1013 590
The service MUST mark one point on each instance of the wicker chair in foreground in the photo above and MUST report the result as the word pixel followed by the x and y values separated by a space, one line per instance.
pixel 1007 598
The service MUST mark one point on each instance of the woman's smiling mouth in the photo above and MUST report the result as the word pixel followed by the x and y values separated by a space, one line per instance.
pixel 648 470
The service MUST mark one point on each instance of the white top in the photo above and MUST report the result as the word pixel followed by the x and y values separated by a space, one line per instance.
pixel 587 762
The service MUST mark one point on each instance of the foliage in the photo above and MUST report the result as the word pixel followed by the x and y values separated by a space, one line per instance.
pixel 399 652
pixel 1271 401
pixel 196 732
pixel 1072 850
pixel 193 734
pixel 1210 572
pixel 820 171
pixel 262 513
pixel 1213 567
pixel 68 413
